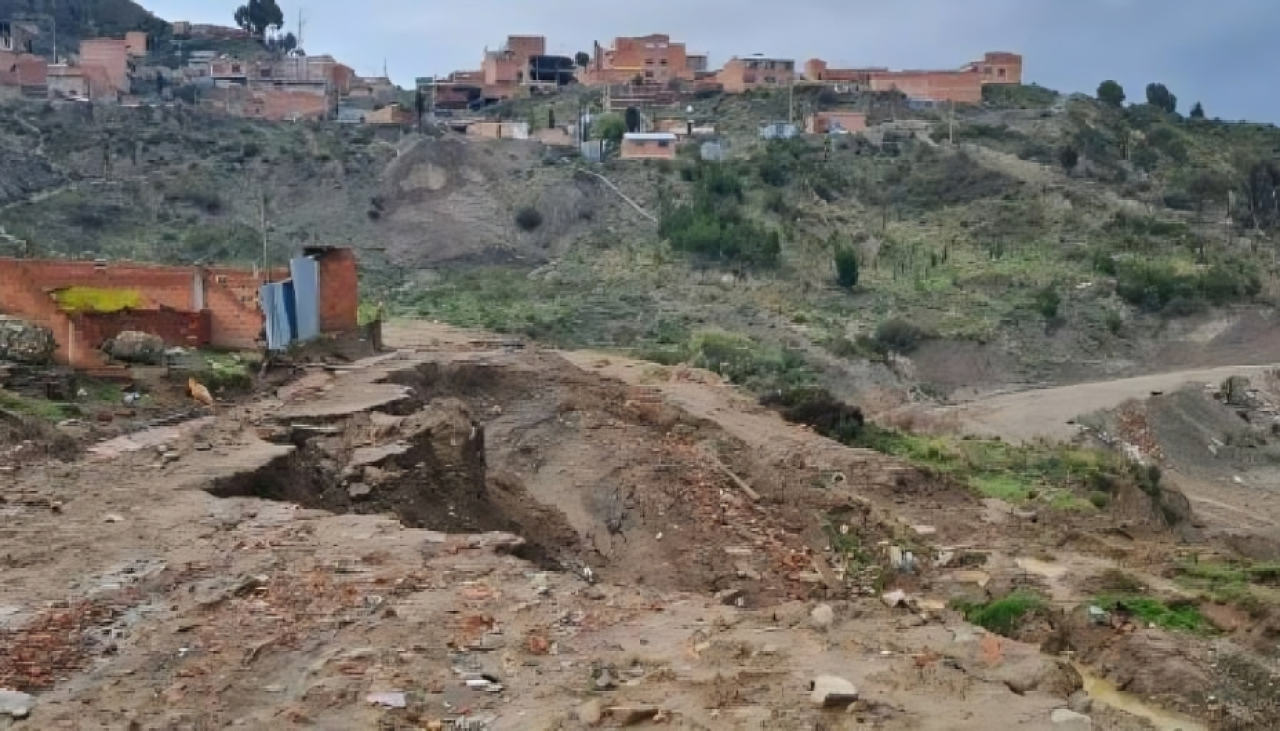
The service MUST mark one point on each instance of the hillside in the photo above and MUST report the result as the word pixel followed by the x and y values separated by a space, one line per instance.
pixel 982 265
pixel 78 19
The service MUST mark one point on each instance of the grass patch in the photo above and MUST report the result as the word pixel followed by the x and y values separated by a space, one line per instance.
pixel 36 408
pixel 1014 473
pixel 1245 584
pixel 1178 615
pixel 1002 616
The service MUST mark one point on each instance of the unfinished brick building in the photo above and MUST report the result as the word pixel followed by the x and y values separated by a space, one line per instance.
pixel 961 86
pixel 755 72
pixel 653 59
pixel 217 307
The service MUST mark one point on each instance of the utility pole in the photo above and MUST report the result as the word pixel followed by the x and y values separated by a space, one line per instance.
pixel 791 100
pixel 266 265
pixel 951 124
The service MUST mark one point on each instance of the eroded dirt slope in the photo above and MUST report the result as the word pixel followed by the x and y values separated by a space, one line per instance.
pixel 529 540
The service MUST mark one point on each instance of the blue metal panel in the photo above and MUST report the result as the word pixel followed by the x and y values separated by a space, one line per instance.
pixel 290 309
pixel 305 273
pixel 276 313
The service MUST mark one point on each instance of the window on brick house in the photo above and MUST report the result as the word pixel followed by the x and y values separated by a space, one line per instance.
pixel 663 62
pixel 648 62
pixel 1000 73
pixel 986 70
pixel 235 68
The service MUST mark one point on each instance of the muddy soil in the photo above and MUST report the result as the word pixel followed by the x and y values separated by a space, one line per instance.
pixel 524 539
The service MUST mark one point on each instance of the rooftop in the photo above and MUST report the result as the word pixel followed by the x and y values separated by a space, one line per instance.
pixel 649 136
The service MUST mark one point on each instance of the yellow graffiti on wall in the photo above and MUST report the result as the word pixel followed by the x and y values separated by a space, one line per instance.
pixel 95 299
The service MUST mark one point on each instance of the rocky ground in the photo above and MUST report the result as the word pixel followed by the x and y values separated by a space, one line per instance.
pixel 469 533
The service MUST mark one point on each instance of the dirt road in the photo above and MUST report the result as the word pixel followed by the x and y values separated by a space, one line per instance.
pixel 1028 415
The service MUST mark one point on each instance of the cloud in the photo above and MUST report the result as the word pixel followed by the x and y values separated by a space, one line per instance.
pixel 1221 53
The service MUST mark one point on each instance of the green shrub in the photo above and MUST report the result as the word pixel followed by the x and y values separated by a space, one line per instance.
pixel 846 267
pixel 1161 287
pixel 1114 321
pixel 528 218
pixel 756 366
pixel 1176 615
pixel 1047 302
pixel 900 336
pixel 714 225
pixel 816 407
pixel 1003 616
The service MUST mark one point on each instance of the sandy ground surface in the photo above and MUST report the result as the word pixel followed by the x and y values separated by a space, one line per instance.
pixel 470 534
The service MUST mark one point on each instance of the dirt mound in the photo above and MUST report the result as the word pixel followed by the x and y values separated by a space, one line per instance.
pixel 451 200
pixel 26 439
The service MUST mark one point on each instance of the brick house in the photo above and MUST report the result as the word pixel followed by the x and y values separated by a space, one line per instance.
pixel 135 43
pixel 648 146
pixel 821 123
pixel 509 65
pixel 655 59
pixel 998 67
pixel 960 87
pixel 17 37
pixel 755 72
pixel 112 56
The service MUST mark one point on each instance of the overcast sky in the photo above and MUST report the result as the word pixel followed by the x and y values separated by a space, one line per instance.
pixel 1224 53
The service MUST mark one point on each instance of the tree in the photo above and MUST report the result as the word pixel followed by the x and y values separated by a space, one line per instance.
pixel 1111 93
pixel 1069 157
pixel 846 267
pixel 1159 96
pixel 583 59
pixel 611 128
pixel 632 119
pixel 259 16
pixel 1197 112
pixel 1261 195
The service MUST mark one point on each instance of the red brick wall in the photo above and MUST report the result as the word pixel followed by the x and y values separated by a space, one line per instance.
pixel 188 329
pixel 962 87
pixel 738 74
pixel 339 291
pixel 1000 67
pixel 522 47
pixel 111 55
pixel 232 318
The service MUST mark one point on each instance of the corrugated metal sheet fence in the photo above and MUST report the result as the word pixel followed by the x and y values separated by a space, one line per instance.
pixel 292 308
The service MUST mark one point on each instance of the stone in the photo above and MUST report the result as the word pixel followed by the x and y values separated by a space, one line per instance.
pixel 1080 702
pixel 893 599
pixel 731 597
pixel 25 342
pixel 604 680
pixel 829 691
pixel 132 346
pixel 632 715
pixel 393 699
pixel 1064 719
pixel 590 712
pixel 15 704
pixel 112 518
pixel 359 490
pixel 822 617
